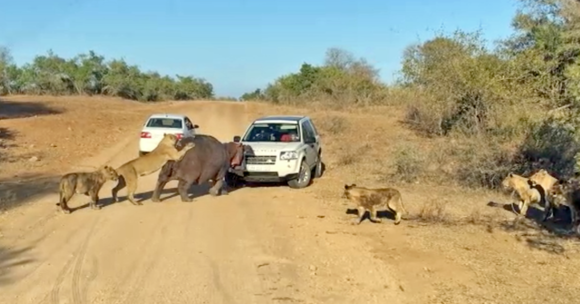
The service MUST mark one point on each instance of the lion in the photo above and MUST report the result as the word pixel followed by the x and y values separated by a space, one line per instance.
pixel 368 199
pixel 567 193
pixel 544 179
pixel 130 171
pixel 528 191
pixel 87 183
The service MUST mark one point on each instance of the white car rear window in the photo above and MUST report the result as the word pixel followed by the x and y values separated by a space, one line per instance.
pixel 165 123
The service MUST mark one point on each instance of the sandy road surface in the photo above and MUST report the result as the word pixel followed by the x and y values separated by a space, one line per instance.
pixel 255 245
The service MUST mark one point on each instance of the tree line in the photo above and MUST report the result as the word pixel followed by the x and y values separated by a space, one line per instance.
pixel 91 74
pixel 514 107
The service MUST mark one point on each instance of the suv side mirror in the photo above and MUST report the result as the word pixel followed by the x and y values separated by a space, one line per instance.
pixel 195 126
pixel 237 138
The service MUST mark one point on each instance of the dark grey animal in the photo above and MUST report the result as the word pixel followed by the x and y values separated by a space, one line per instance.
pixel 210 160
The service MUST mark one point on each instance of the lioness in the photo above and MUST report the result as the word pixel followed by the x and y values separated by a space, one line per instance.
pixel 147 164
pixel 87 183
pixel 528 191
pixel 567 193
pixel 368 199
pixel 544 179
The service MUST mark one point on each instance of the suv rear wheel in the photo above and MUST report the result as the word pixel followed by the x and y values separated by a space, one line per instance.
pixel 303 179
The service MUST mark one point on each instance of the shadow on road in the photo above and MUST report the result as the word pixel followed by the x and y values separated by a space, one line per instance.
pixel 546 236
pixel 10 259
pixel 381 214
pixel 6 141
pixel 195 192
pixel 17 191
pixel 18 109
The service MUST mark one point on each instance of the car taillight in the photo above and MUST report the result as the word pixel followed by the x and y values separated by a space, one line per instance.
pixel 179 135
pixel 145 135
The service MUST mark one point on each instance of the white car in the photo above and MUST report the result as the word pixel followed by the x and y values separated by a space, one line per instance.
pixel 280 149
pixel 158 124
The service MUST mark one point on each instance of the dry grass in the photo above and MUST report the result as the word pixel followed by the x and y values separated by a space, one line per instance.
pixel 433 212
pixel 468 251
pixel 453 248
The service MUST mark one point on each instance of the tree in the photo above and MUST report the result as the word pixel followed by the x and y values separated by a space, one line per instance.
pixel 91 74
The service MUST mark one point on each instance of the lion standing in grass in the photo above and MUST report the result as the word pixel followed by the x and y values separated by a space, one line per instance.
pixel 147 164
pixel 87 183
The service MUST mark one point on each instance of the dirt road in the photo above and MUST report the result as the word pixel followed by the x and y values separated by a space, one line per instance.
pixel 255 245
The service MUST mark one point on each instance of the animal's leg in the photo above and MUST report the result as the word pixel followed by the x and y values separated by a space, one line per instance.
pixel 524 209
pixel 183 187
pixel 131 188
pixel 398 215
pixel 548 210
pixel 64 198
pixel 94 200
pixel 361 213
pixel 398 212
pixel 217 186
pixel 120 185
pixel 373 215
pixel 157 192
pixel 573 216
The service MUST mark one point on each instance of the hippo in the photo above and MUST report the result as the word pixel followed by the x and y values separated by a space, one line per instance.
pixel 210 160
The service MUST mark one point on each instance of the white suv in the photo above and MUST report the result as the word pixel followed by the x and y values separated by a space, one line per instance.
pixel 281 149
pixel 158 124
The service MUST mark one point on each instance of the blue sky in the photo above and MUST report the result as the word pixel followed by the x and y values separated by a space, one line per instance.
pixel 244 44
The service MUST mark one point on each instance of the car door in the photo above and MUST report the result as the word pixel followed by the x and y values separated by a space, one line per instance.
pixel 316 134
pixel 310 141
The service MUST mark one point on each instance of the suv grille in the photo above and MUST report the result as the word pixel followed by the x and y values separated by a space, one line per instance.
pixel 260 160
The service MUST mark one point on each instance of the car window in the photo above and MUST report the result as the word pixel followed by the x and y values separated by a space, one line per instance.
pixel 188 123
pixel 308 132
pixel 273 132
pixel 311 123
pixel 165 123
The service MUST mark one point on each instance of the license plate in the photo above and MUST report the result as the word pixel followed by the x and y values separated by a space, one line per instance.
pixel 258 168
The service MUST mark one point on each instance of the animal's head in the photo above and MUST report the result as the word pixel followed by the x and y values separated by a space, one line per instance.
pixel 349 191
pixel 507 181
pixel 235 151
pixel 109 173
pixel 559 190
pixel 543 175
pixel 168 137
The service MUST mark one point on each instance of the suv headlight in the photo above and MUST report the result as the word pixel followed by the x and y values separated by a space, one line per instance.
pixel 288 155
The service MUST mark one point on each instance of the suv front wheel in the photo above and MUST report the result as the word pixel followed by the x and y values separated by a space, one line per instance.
pixel 304 177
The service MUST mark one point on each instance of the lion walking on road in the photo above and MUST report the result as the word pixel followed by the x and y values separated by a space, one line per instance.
pixel 87 183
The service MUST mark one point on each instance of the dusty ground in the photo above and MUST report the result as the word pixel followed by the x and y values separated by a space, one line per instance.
pixel 256 245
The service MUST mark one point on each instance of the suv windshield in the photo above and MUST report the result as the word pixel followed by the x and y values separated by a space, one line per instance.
pixel 273 132
pixel 164 123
